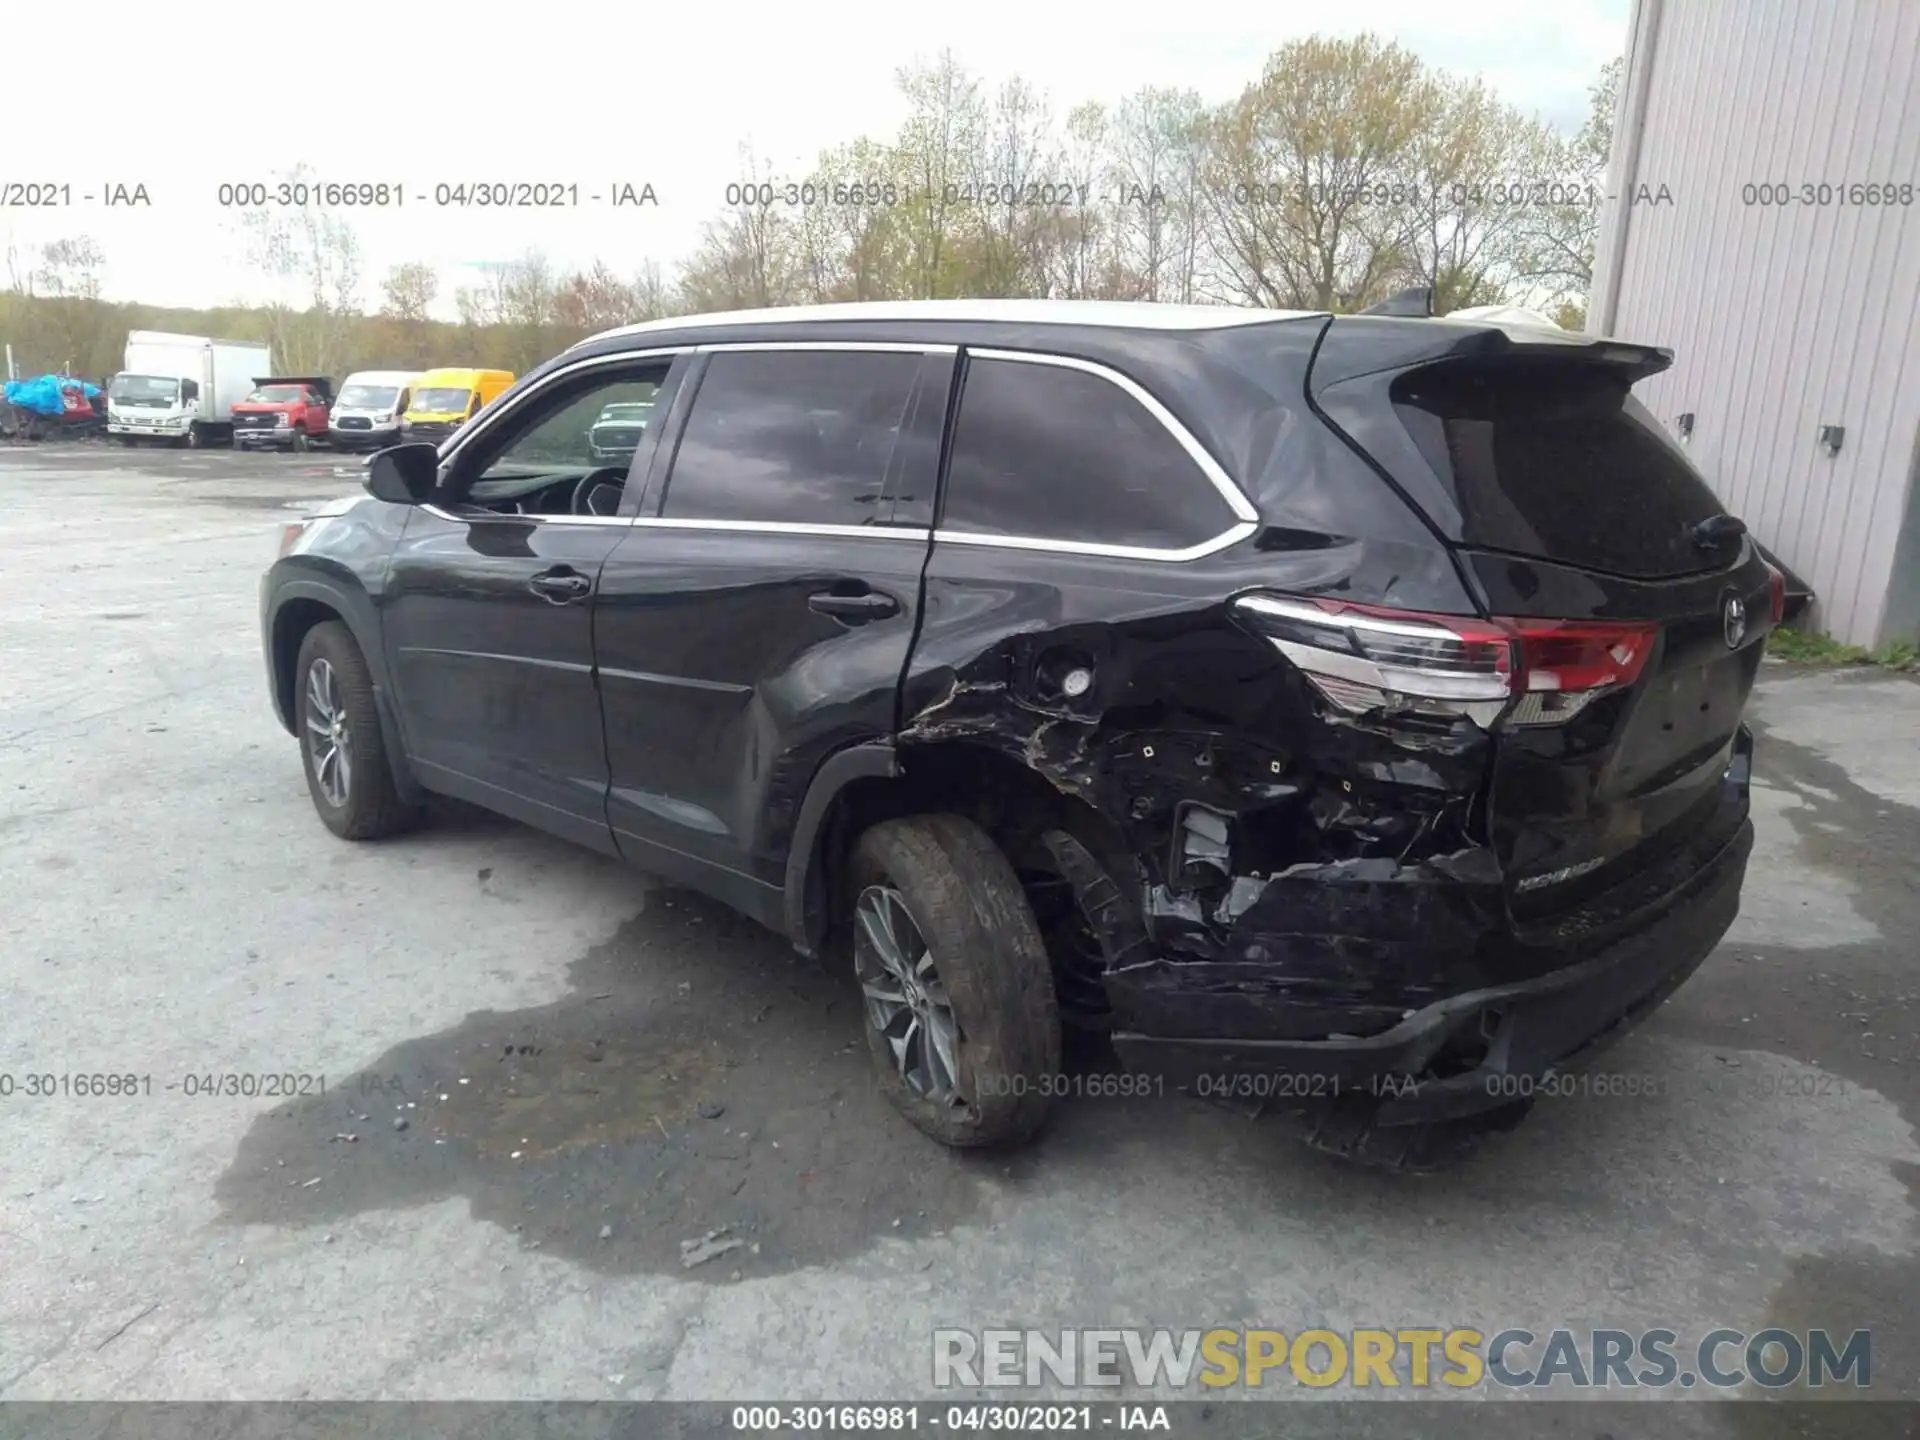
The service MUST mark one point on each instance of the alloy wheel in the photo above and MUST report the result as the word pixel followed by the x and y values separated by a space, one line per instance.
pixel 906 999
pixel 329 749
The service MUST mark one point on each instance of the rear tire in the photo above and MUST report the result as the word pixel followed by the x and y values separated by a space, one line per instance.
pixel 343 752
pixel 970 1051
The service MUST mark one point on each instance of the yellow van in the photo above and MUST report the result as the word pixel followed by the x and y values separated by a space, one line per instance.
pixel 444 400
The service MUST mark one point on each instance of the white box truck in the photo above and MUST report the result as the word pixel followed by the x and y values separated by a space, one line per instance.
pixel 182 387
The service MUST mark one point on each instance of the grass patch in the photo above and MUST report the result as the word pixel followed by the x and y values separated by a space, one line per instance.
pixel 1804 647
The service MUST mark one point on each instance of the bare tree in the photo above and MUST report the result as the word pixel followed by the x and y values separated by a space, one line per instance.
pixel 318 253
pixel 746 258
pixel 1296 167
pixel 939 144
pixel 407 291
pixel 1464 188
pixel 1010 219
pixel 1559 240
pixel 1157 174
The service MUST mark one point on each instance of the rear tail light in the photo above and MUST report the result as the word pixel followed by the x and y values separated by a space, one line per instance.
pixel 1777 594
pixel 1363 658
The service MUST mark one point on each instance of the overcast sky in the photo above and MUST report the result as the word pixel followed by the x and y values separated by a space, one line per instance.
pixel 595 92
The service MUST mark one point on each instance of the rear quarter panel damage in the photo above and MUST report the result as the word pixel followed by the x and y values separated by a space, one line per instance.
pixel 1252 864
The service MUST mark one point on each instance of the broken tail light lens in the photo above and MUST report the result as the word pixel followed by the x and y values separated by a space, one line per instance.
pixel 1568 664
pixel 1364 658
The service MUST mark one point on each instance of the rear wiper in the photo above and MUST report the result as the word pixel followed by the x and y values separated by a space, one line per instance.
pixel 1716 531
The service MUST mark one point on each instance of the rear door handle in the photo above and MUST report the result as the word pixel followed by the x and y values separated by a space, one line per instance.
pixel 869 605
pixel 560 585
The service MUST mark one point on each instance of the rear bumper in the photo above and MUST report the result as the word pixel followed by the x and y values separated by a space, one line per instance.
pixel 1581 995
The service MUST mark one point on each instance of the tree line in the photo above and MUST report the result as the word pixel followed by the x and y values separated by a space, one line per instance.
pixel 1346 170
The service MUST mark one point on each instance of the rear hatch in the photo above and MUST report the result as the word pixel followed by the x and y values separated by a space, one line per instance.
pixel 1640 608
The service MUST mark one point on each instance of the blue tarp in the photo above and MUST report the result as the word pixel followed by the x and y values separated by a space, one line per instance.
pixel 42 395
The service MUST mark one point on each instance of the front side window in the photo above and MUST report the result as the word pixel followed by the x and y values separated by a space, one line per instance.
pixel 558 436
pixel 1048 452
pixel 792 437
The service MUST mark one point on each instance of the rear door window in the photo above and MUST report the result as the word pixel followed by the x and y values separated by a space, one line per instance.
pixel 792 437
pixel 1047 452
pixel 1558 462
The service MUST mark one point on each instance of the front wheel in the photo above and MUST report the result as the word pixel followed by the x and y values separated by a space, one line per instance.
pixel 196 438
pixel 299 441
pixel 961 1018
pixel 346 759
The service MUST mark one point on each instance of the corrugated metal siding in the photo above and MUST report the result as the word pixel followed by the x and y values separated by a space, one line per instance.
pixel 1782 318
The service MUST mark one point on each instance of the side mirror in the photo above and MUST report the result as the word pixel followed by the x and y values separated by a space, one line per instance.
pixel 404 474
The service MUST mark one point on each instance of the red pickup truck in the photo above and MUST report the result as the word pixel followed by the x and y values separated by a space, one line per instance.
pixel 283 412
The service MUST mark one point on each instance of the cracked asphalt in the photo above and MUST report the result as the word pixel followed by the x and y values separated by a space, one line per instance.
pixel 522 1077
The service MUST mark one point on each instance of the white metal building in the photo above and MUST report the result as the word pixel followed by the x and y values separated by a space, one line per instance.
pixel 1751 230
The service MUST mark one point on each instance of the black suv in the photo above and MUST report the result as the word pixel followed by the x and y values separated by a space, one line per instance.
pixel 1338 710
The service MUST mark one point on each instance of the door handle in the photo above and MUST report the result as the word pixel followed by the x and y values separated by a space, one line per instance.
pixel 868 605
pixel 560 585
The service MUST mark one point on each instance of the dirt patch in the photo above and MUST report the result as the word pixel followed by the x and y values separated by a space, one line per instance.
pixel 700 1076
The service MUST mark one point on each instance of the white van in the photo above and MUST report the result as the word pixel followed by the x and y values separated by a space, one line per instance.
pixel 366 414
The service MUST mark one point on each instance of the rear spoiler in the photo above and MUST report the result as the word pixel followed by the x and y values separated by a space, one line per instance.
pixel 1365 344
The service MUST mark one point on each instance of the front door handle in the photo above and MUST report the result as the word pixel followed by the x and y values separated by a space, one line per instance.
pixel 868 605
pixel 560 585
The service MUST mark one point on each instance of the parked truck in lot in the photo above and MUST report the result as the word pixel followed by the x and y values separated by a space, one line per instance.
pixel 182 387
pixel 283 412
pixel 366 416
pixel 444 400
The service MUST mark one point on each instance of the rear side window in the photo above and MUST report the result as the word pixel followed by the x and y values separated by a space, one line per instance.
pixel 1559 462
pixel 1051 453
pixel 791 437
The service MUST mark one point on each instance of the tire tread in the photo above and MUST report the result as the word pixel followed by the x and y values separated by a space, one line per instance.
pixel 972 911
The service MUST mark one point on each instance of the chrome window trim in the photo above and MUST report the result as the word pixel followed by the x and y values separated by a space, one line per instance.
pixel 788 527
pixel 442 514
pixel 1247 519
pixel 1222 541
pixel 884 347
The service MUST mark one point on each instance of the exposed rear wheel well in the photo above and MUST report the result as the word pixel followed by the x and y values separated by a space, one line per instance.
pixel 1011 803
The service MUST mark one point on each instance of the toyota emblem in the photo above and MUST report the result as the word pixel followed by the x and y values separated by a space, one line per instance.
pixel 1734 622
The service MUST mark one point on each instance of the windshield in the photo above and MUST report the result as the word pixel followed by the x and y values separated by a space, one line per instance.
pixel 446 401
pixel 144 389
pixel 274 395
pixel 624 415
pixel 369 397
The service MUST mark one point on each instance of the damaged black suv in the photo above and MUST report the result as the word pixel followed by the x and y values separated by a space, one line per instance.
pixel 1339 709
